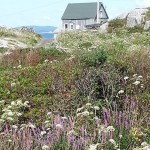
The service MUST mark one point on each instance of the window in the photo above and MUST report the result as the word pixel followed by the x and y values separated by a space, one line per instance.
pixel 71 26
pixel 66 26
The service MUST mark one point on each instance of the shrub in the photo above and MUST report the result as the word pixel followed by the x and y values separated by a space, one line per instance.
pixel 94 57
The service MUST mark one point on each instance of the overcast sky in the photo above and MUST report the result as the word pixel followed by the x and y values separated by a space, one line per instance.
pixel 48 12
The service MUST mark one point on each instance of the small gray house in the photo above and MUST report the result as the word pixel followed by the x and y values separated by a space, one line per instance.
pixel 84 15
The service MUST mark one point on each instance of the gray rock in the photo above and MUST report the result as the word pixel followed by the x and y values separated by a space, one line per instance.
pixel 136 17
pixel 147 25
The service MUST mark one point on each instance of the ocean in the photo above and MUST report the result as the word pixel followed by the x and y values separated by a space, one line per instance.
pixel 47 35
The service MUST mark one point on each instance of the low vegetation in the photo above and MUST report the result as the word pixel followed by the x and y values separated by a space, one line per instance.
pixel 87 91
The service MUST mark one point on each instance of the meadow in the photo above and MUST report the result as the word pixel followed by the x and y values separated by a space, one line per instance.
pixel 87 91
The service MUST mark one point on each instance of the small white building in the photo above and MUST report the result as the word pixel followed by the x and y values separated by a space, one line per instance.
pixel 84 15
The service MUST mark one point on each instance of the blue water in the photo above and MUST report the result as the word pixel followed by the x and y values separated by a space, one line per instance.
pixel 48 35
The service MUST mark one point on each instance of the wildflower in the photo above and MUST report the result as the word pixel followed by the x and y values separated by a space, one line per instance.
pixel 46 121
pixel 19 102
pixel 9 140
pixel 43 133
pixel 59 126
pixel 120 136
pixel 49 113
pixel 134 75
pixel 112 141
pixel 31 125
pixel 93 146
pixel 10 114
pixel 14 127
pixel 13 84
pixel 44 147
pixel 1 120
pixel 64 118
pixel 121 92
pixel 10 118
pixel 19 114
pixel 26 103
pixel 110 128
pixel 140 77
pixel 46 60
pixel 96 118
pixel 13 103
pixel 96 108
pixel 79 114
pixel 2 101
pixel 9 107
pixel 79 109
pixel 85 113
pixel 136 82
pixel 126 78
pixel 88 104
pixel 144 144
pixel 72 132
pixel 19 66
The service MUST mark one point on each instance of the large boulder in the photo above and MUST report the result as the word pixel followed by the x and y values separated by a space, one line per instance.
pixel 136 17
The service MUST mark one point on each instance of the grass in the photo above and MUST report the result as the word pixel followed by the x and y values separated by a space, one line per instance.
pixel 90 93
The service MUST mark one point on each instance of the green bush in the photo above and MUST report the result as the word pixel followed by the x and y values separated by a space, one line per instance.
pixel 136 29
pixel 116 23
pixel 94 57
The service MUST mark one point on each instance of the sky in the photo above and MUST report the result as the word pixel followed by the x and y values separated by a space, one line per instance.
pixel 14 13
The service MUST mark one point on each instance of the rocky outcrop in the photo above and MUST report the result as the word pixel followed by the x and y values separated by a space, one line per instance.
pixel 136 17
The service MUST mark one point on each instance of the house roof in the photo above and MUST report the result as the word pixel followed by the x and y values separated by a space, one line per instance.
pixel 75 11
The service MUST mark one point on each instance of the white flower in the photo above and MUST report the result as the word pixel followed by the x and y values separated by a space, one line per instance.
pixel 10 114
pixel 79 114
pixel 144 144
pixel 126 78
pixel 96 108
pixel 10 119
pixel 19 114
pixel 85 113
pixel 43 132
pixel 44 147
pixel 19 103
pixel 110 128
pixel 49 113
pixel 64 118
pixel 139 77
pixel 136 82
pixel 19 66
pixel 120 136
pixel 13 103
pixel 88 104
pixel 14 127
pixel 26 103
pixel 46 121
pixel 72 132
pixel 134 75
pixel 79 109
pixel 31 125
pixel 9 107
pixel 1 120
pixel 59 126
pixel 93 146
pixel 121 92
pixel 2 101
pixel 96 118
pixel 13 84
pixel 112 141
pixel 9 140
pixel 46 60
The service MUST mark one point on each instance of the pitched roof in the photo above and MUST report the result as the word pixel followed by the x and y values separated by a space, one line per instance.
pixel 80 11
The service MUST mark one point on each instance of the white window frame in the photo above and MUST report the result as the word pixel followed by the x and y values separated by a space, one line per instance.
pixel 71 25
pixel 66 24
